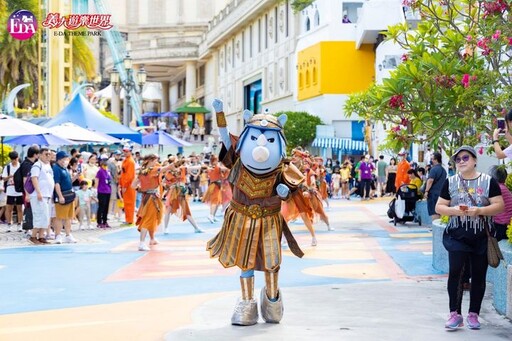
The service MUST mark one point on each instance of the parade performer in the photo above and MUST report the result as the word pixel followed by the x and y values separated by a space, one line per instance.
pixel 250 237
pixel 149 215
pixel 176 197
pixel 125 183
pixel 300 205
pixel 313 195
pixel 213 195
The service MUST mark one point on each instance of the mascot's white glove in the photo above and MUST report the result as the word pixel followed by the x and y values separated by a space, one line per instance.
pixel 218 105
pixel 282 191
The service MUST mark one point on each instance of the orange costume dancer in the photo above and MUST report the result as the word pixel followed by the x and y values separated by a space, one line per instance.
pixel 213 195
pixel 176 198
pixel 314 196
pixel 125 184
pixel 402 178
pixel 149 215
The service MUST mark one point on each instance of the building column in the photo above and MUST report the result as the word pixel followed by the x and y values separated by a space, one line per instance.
pixel 191 81
pixel 165 96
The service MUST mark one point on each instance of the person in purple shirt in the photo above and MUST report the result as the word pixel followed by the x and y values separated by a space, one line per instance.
pixel 365 170
pixel 102 183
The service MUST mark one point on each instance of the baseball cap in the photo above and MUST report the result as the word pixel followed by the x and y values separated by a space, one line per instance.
pixel 61 155
pixel 117 152
pixel 127 147
pixel 468 149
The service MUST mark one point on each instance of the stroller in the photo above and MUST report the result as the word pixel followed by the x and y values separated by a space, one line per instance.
pixel 409 195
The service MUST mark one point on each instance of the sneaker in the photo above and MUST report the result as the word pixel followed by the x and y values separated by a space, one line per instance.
pixel 80 227
pixel 166 230
pixel 330 228
pixel 472 321
pixel 9 227
pixel 153 242
pixel 34 240
pixel 313 241
pixel 58 239
pixel 210 218
pixel 455 321
pixel 91 227
pixel 143 247
pixel 43 241
pixel 198 230
pixel 20 229
pixel 51 236
pixel 100 226
pixel 70 239
pixel 107 226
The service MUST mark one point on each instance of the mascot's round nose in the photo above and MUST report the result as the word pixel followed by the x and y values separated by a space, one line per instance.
pixel 260 154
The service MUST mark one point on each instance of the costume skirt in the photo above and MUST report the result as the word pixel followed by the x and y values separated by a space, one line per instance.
pixel 177 202
pixel 213 195
pixel 249 243
pixel 149 215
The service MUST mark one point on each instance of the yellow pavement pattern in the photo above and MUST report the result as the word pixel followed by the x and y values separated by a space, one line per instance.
pixel 137 320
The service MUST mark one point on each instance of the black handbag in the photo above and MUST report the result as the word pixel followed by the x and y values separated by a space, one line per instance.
pixel 69 197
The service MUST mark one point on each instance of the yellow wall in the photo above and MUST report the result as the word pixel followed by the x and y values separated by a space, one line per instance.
pixel 339 69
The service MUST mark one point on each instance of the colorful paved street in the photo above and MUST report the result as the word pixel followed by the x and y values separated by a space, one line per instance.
pixel 367 280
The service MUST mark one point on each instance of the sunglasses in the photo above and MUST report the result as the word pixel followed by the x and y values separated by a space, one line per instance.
pixel 464 158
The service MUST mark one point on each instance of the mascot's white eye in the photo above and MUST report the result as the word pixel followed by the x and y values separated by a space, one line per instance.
pixel 254 138
pixel 271 140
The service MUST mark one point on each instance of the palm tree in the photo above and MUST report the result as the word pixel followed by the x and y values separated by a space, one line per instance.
pixel 18 59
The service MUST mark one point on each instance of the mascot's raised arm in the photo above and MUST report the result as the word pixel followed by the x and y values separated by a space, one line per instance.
pixel 250 237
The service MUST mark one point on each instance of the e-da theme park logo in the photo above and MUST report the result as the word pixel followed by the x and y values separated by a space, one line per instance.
pixel 22 24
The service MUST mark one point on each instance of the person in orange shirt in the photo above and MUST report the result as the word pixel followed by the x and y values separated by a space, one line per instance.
pixel 402 178
pixel 125 183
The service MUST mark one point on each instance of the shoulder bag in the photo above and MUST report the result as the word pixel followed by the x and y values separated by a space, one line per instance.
pixel 494 255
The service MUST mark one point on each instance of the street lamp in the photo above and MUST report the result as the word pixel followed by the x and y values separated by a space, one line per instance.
pixel 128 85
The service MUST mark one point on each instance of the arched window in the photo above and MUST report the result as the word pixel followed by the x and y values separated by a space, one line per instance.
pixel 314 75
pixel 308 24
pixel 301 81
pixel 317 18
pixel 307 78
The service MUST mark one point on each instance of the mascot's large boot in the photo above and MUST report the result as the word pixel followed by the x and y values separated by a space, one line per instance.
pixel 246 310
pixel 271 300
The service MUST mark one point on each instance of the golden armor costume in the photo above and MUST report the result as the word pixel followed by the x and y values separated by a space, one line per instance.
pixel 250 237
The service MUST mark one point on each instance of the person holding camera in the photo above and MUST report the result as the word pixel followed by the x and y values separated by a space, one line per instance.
pixel 503 129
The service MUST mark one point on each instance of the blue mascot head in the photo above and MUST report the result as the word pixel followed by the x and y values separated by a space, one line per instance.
pixel 262 145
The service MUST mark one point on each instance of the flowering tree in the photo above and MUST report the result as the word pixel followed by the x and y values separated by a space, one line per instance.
pixel 454 80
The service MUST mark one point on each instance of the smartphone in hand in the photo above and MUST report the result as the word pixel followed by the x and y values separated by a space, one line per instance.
pixel 501 125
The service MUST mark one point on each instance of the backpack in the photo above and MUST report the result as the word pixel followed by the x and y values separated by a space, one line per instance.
pixel 8 173
pixel 19 186
pixel 29 186
pixel 18 180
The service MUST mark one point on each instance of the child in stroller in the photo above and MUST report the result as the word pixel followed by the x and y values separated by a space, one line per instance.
pixel 406 210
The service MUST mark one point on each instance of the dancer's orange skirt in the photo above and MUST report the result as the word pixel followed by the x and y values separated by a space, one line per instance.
pixel 150 213
pixel 177 202
pixel 213 195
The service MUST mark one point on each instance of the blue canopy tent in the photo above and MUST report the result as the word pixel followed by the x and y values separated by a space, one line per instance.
pixel 82 113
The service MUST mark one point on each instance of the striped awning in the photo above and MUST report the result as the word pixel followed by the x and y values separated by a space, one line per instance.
pixel 340 143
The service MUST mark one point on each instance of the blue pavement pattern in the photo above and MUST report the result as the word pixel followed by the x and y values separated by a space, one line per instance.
pixel 367 280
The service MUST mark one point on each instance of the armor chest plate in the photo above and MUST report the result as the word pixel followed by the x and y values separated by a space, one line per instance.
pixel 256 187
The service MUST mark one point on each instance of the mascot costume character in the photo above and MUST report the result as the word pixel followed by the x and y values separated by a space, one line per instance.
pixel 250 237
